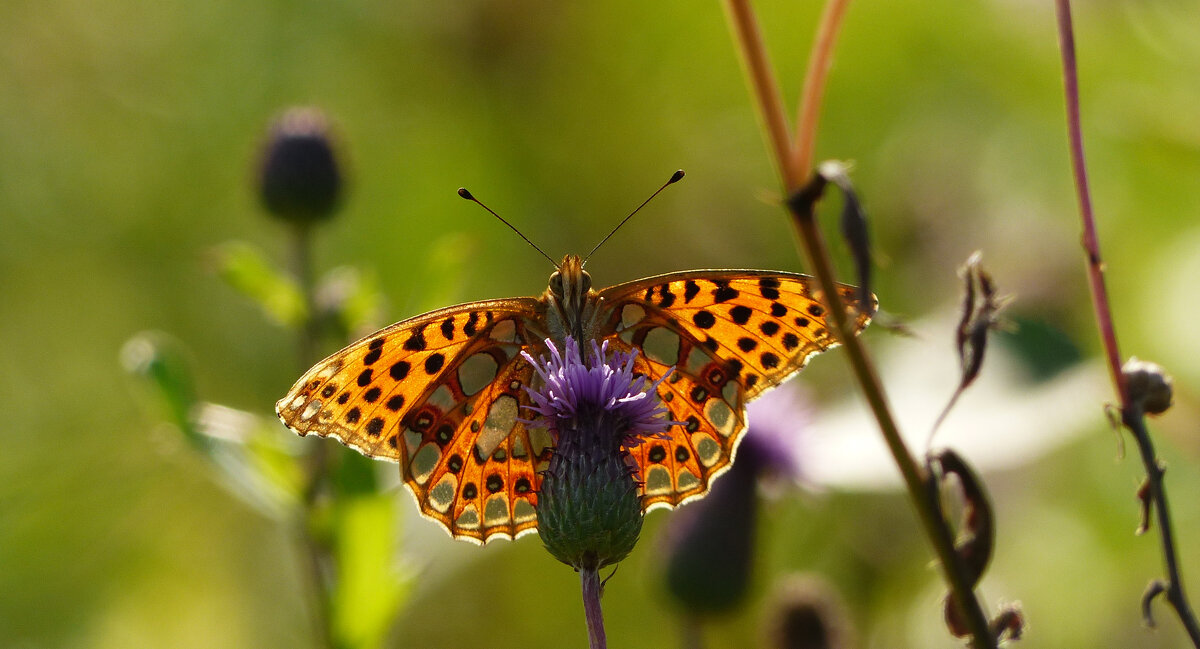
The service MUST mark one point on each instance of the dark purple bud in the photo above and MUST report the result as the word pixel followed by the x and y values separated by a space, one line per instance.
pixel 300 179
pixel 711 544
pixel 723 523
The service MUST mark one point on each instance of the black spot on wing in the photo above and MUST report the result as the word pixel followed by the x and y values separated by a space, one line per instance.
pixel 434 363
pixel 665 297
pixel 399 370
pixel 740 314
pixel 724 292
pixel 416 342
pixel 704 319
pixel 768 287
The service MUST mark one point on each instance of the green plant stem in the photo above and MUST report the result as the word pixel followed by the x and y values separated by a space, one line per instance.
pixel 317 559
pixel 304 270
pixel 770 105
pixel 1132 415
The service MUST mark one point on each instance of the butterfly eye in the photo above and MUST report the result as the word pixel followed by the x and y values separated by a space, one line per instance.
pixel 556 285
pixel 586 281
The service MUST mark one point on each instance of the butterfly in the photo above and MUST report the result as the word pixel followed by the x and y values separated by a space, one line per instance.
pixel 444 393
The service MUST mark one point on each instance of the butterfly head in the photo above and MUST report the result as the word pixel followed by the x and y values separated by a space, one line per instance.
pixel 570 287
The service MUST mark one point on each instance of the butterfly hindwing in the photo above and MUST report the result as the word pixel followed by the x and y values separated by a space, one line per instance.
pixel 475 466
pixel 701 395
pixel 430 393
pixel 730 335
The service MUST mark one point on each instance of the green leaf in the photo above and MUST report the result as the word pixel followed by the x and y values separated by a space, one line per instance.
pixel 248 271
pixel 371 588
pixel 161 361
pixel 351 301
pixel 255 462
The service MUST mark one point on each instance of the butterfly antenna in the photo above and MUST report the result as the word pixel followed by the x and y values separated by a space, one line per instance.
pixel 462 191
pixel 675 177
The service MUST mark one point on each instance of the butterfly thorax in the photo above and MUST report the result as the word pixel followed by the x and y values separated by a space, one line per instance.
pixel 570 302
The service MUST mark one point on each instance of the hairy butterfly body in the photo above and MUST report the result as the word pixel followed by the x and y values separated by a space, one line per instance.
pixel 443 393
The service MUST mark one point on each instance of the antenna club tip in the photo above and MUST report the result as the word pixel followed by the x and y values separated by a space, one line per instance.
pixel 676 177
pixel 462 191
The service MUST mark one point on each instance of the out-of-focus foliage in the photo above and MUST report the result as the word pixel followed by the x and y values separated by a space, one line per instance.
pixel 128 139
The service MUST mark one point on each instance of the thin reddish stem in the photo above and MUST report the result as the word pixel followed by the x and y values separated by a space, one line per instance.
pixel 1131 413
pixel 762 80
pixel 1091 242
pixel 819 62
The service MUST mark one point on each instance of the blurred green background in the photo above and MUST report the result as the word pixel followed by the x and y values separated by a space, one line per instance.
pixel 128 136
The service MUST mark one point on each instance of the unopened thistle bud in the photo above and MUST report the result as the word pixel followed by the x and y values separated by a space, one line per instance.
pixel 724 522
pixel 299 176
pixel 807 613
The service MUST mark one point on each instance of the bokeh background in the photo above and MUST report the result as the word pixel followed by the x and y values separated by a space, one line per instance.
pixel 129 133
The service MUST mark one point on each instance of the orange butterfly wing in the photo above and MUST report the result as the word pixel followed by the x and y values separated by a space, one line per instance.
pixel 730 335
pixel 440 394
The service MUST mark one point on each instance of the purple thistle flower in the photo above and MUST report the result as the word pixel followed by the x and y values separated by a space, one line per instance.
pixel 573 390
pixel 589 508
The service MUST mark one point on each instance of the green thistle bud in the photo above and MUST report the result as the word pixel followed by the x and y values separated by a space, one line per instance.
pixel 589 510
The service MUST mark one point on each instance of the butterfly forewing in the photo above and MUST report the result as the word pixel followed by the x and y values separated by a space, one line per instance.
pixel 440 394
pixel 730 335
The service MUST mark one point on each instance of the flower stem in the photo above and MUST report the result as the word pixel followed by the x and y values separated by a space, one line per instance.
pixel 819 62
pixel 1091 243
pixel 690 633
pixel 317 559
pixel 770 105
pixel 762 79
pixel 590 580
pixel 1132 415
